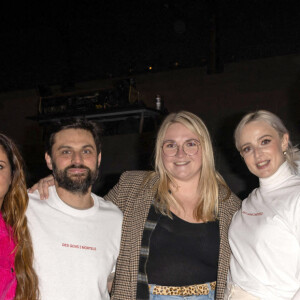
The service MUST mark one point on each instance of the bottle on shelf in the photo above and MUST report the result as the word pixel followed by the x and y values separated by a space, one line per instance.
pixel 158 103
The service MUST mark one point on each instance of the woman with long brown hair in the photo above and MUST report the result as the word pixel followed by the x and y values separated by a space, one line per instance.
pixel 18 279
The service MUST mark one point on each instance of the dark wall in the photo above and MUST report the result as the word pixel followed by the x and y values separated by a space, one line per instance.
pixel 219 99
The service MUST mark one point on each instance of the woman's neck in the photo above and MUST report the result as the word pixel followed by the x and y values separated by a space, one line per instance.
pixel 187 195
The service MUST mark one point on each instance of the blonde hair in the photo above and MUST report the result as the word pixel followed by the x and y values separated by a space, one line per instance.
pixel 13 211
pixel 292 152
pixel 207 208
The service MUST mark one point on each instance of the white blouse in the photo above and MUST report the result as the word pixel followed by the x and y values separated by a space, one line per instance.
pixel 264 237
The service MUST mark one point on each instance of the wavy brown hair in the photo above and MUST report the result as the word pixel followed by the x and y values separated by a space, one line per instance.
pixel 13 210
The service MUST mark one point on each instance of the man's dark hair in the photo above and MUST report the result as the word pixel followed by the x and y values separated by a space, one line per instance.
pixel 77 123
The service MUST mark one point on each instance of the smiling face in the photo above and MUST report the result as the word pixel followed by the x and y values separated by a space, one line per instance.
pixel 182 167
pixel 5 175
pixel 74 160
pixel 262 148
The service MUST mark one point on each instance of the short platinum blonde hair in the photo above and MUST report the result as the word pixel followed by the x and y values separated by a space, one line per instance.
pixel 207 208
pixel 292 152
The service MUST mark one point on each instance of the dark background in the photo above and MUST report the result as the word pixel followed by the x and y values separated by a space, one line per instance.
pixel 63 42
pixel 218 59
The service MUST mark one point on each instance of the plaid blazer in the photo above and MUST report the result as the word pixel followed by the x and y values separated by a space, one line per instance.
pixel 134 199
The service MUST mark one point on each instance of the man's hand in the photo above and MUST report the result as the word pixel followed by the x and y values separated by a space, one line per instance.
pixel 43 187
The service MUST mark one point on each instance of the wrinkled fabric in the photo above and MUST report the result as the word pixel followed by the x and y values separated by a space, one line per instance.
pixel 8 281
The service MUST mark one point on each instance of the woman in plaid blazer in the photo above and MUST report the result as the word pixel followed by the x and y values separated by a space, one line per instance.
pixel 184 189
pixel 184 158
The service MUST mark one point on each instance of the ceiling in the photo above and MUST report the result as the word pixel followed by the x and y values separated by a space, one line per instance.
pixel 62 42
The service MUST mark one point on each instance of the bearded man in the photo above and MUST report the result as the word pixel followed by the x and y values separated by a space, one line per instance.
pixel 75 234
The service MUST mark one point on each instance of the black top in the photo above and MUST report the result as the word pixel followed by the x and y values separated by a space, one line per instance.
pixel 183 253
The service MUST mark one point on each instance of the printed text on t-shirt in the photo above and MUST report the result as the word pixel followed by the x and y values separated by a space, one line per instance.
pixel 78 246
pixel 252 214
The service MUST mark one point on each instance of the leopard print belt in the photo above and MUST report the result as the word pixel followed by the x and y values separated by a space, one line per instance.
pixel 188 290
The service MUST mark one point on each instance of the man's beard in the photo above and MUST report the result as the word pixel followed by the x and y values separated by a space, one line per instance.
pixel 78 183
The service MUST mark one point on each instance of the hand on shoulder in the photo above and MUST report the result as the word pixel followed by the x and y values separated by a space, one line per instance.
pixel 43 186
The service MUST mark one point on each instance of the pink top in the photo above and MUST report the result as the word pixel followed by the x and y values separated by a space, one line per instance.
pixel 8 281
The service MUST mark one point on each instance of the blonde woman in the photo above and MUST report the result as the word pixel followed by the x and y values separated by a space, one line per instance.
pixel 265 234
pixel 174 242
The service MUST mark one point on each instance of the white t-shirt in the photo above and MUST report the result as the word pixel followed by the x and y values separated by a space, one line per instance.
pixel 264 237
pixel 74 250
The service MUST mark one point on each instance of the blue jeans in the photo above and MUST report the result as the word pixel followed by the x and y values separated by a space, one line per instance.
pixel 210 296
